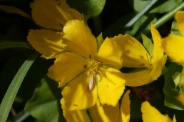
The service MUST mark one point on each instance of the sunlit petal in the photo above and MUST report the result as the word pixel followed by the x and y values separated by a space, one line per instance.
pixel 135 55
pixel 66 67
pixel 77 94
pixel 46 42
pixel 111 52
pixel 79 39
pixel 151 114
pixel 125 108
pixel 157 69
pixel 138 78
pixel 52 14
pixel 173 46
pixel 111 86
pixel 74 116
pixel 104 113
pixel 179 16
pixel 157 50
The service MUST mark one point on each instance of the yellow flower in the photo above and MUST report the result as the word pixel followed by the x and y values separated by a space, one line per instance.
pixel 151 114
pixel 136 56
pixel 86 73
pixel 100 113
pixel 106 113
pixel 51 15
pixel 173 44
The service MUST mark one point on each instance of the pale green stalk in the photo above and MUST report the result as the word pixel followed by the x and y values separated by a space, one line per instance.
pixel 168 16
pixel 13 88
pixel 133 20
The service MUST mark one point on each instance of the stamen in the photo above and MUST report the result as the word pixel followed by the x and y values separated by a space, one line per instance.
pixel 93 67
pixel 91 81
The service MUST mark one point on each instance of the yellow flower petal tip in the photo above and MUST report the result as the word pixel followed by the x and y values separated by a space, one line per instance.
pixel 151 114
pixel 46 42
pixel 173 47
pixel 125 108
pixel 53 14
pixel 179 16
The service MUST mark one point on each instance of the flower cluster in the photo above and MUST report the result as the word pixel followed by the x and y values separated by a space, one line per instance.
pixel 90 75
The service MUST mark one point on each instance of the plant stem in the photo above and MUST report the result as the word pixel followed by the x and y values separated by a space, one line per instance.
pixel 133 20
pixel 168 16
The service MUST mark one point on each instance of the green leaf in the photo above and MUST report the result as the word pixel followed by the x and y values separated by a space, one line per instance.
pixel 6 45
pixel 90 8
pixel 174 98
pixel 100 40
pixel 147 43
pixel 10 95
pixel 45 103
pixel 166 6
pixel 162 6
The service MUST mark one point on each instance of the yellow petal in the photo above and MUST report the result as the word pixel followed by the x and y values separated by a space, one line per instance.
pixel 79 38
pixel 104 113
pixel 111 86
pixel 125 108
pixel 66 67
pixel 138 78
pixel 111 52
pixel 74 116
pixel 157 69
pixel 151 114
pixel 53 14
pixel 134 55
pixel 173 46
pixel 77 94
pixel 179 16
pixel 46 42
pixel 157 50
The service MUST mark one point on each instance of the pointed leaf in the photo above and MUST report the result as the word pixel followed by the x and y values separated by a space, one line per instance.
pixel 45 104
pixel 147 43
pixel 90 8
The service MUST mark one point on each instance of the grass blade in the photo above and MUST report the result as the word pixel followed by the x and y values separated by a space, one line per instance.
pixel 10 95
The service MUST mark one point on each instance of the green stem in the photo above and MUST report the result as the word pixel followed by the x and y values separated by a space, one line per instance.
pixel 6 45
pixel 168 16
pixel 13 88
pixel 20 117
pixel 133 20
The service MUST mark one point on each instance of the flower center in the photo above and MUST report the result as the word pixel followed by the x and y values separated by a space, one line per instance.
pixel 93 67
